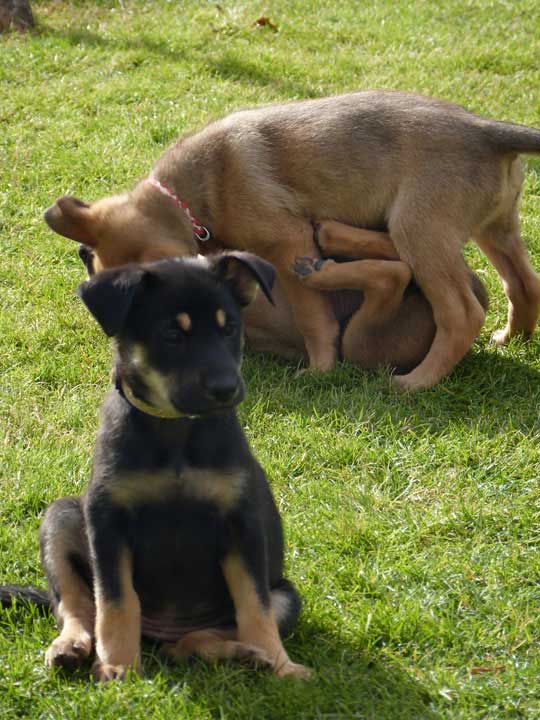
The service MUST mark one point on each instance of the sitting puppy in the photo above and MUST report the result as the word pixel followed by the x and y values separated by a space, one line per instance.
pixel 177 536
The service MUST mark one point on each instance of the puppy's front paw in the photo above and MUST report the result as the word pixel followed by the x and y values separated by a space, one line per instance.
pixel 304 266
pixel 104 672
pixel 68 654
pixel 291 669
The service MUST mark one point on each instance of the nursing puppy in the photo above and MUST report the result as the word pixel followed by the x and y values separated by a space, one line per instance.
pixel 177 536
pixel 430 172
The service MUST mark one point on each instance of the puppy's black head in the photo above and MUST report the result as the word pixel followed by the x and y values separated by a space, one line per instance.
pixel 177 329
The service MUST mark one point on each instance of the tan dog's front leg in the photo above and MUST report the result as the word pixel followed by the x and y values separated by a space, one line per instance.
pixel 256 620
pixel 118 625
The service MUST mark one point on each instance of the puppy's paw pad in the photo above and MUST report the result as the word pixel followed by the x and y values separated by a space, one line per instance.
pixel 67 654
pixel 304 266
pixel 295 670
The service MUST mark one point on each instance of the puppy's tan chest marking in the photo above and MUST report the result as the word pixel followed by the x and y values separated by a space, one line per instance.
pixel 218 487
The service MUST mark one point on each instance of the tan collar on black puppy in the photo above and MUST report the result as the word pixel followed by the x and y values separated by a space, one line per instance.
pixel 150 409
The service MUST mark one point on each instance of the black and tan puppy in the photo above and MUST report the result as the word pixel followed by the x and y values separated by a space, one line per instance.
pixel 177 537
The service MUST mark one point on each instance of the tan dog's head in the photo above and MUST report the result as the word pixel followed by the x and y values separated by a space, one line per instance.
pixel 123 229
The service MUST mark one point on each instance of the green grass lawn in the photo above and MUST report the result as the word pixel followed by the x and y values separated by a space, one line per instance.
pixel 412 522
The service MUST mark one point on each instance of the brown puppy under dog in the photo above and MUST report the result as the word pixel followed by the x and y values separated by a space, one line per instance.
pixel 433 173
pixel 384 318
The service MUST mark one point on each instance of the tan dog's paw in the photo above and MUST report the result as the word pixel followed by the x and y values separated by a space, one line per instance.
pixel 402 383
pixel 67 654
pixel 500 337
pixel 104 672
pixel 291 669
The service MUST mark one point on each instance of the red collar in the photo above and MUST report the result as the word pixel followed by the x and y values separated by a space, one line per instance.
pixel 203 233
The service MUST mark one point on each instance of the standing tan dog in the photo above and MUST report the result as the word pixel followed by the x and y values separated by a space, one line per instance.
pixel 434 174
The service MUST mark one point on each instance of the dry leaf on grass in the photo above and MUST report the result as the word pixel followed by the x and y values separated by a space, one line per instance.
pixel 264 21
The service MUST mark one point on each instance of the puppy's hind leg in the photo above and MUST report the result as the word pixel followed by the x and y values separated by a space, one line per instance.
pixel 64 555
pixel 216 644
pixel 337 239
pixel 433 251
pixel 382 282
pixel 501 243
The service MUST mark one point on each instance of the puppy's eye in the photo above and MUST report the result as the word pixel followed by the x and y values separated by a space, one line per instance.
pixel 225 323
pixel 230 328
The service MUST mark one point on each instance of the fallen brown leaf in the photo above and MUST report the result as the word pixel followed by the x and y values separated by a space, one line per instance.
pixel 264 21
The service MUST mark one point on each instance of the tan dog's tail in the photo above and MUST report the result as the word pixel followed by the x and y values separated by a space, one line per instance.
pixel 512 138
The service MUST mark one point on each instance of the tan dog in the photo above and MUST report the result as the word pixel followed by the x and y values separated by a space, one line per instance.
pixel 433 173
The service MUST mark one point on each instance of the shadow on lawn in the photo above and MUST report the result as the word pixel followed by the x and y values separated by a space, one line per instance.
pixel 83 37
pixel 503 392
pixel 230 66
pixel 347 683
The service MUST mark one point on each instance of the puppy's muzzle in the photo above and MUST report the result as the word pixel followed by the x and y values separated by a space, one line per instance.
pixel 222 389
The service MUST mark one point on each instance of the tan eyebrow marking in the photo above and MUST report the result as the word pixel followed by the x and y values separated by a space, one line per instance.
pixel 184 321
pixel 221 318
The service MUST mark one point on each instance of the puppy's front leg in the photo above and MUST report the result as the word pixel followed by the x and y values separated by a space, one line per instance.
pixel 246 574
pixel 118 612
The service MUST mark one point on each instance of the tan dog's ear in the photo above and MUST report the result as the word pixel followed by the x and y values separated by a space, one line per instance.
pixel 73 219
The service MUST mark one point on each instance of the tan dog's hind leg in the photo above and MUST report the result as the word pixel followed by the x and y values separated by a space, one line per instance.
pixel 336 239
pixel 257 624
pixel 312 311
pixel 118 628
pixel 502 244
pixel 441 273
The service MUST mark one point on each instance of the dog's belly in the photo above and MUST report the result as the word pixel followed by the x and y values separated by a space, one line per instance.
pixel 177 549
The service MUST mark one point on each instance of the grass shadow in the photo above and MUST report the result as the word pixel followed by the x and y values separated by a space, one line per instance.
pixel 347 682
pixel 503 391
pixel 234 67
pixel 87 38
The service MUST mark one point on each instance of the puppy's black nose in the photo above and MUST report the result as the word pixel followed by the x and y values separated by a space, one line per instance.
pixel 222 388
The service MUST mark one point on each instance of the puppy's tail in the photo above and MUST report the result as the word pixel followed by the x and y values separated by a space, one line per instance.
pixel 479 290
pixel 287 605
pixel 17 594
pixel 512 138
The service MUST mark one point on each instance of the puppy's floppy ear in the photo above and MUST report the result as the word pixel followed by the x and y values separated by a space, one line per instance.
pixel 109 296
pixel 73 219
pixel 245 273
